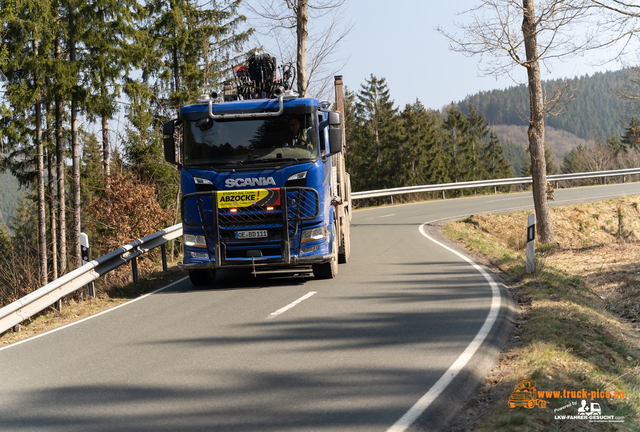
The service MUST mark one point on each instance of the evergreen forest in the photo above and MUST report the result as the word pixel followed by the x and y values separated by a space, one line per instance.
pixel 390 147
pixel 592 109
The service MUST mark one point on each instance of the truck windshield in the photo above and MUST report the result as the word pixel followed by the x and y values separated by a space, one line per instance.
pixel 247 141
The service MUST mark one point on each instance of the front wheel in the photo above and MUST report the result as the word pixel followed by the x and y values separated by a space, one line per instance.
pixel 202 277
pixel 328 270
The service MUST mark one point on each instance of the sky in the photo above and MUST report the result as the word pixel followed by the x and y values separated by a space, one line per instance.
pixel 398 41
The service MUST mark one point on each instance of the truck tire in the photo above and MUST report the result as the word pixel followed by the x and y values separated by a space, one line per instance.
pixel 328 270
pixel 343 257
pixel 202 277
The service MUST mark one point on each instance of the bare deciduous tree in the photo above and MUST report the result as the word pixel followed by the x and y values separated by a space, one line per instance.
pixel 314 44
pixel 530 34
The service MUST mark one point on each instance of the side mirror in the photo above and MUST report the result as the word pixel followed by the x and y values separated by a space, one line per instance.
pixel 334 118
pixel 335 140
pixel 169 142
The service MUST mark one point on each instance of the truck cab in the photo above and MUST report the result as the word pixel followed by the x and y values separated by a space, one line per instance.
pixel 263 184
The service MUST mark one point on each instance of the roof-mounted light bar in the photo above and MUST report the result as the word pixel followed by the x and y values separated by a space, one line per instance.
pixel 279 93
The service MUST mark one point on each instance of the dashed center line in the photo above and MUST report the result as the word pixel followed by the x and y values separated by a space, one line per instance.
pixel 380 217
pixel 290 305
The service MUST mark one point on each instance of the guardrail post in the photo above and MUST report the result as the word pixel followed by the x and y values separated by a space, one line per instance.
pixel 134 269
pixel 531 242
pixel 624 179
pixel 391 199
pixel 163 250
pixel 443 195
pixel 86 257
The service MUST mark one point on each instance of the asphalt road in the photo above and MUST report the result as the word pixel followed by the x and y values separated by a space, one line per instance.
pixel 407 320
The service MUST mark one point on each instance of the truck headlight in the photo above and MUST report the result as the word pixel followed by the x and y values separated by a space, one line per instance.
pixel 201 255
pixel 313 234
pixel 309 249
pixel 202 181
pixel 195 240
pixel 298 176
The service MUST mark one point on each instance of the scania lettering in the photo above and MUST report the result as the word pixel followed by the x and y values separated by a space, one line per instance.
pixel 262 175
pixel 250 182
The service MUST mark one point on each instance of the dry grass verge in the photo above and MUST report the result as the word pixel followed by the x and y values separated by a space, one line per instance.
pixel 577 324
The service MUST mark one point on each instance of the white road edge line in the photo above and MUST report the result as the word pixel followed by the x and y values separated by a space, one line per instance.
pixel 92 316
pixel 290 305
pixel 427 399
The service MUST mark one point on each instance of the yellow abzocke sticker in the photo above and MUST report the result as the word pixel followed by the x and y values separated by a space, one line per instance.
pixel 246 198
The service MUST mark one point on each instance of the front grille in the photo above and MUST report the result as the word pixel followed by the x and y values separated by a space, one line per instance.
pixel 295 204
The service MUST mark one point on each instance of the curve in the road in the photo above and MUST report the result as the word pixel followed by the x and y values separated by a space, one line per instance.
pixel 425 401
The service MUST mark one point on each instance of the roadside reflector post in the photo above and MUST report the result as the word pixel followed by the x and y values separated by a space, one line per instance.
pixel 531 242
pixel 134 269
pixel 163 249
pixel 86 257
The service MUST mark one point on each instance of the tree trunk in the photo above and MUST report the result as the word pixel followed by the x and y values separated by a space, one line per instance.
pixel 42 219
pixel 52 218
pixel 75 156
pixel 53 229
pixel 62 238
pixel 302 17
pixel 176 68
pixel 106 156
pixel 536 126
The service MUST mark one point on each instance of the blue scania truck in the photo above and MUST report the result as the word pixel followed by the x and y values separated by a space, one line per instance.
pixel 262 176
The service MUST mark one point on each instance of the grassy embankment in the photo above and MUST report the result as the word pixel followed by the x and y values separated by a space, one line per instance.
pixel 578 316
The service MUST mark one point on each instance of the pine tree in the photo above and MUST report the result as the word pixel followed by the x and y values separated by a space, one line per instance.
pixel 112 48
pixel 190 46
pixel 23 225
pixel 379 129
pixel 424 161
pixel 458 144
pixel 613 143
pixel 631 136
pixel 478 133
pixel 25 38
pixel 496 165
pixel 143 149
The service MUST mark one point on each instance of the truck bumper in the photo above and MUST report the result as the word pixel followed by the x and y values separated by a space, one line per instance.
pixel 281 220
pixel 257 263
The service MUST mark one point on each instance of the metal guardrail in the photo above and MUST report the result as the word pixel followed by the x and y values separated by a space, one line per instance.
pixel 489 183
pixel 40 299
pixel 44 297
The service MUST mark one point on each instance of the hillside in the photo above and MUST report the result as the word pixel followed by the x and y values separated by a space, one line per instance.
pixel 559 140
pixel 8 196
pixel 593 114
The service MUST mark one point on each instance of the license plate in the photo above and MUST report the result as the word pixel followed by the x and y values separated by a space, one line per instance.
pixel 251 234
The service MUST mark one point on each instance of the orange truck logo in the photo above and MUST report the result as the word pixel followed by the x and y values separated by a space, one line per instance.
pixel 524 395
